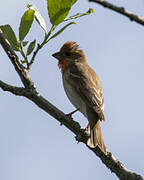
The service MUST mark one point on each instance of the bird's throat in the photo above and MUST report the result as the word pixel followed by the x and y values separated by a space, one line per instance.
pixel 63 64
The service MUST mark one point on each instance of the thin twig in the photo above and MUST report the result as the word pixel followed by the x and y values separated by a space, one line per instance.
pixel 19 91
pixel 78 15
pixel 121 10
pixel 39 46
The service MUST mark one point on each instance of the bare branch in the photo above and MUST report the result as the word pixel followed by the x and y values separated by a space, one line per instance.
pixel 32 94
pixel 20 91
pixel 121 10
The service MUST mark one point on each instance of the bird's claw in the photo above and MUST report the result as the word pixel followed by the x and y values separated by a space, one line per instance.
pixel 69 115
pixel 87 128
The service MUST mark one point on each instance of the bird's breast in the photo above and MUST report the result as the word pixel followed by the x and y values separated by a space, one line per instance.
pixel 73 96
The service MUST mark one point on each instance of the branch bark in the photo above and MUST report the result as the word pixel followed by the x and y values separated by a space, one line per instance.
pixel 29 91
pixel 121 10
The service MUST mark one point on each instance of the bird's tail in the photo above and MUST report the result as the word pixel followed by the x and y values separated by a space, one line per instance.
pixel 96 137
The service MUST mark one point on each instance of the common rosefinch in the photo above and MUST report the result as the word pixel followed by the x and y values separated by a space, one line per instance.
pixel 83 89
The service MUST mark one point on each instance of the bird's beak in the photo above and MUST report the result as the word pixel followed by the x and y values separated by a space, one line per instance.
pixel 57 55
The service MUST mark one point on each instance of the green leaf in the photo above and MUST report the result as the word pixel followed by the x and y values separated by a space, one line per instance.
pixel 58 10
pixel 31 47
pixel 23 61
pixel 73 1
pixel 10 36
pixel 38 17
pixel 61 30
pixel 26 22
pixel 90 11
pixel 24 43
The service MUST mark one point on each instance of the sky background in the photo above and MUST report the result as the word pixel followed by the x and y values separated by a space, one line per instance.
pixel 33 145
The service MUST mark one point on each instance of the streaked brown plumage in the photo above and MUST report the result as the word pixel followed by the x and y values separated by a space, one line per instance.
pixel 83 89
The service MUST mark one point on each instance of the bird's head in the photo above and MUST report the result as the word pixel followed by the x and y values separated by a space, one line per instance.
pixel 69 54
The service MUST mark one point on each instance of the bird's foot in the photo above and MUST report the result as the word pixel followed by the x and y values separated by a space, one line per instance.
pixel 87 128
pixel 69 115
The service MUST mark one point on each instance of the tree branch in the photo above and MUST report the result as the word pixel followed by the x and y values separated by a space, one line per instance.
pixel 109 160
pixel 121 10
pixel 20 91
pixel 22 72
pixel 32 94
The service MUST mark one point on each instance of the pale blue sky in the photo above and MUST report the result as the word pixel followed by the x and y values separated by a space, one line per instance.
pixel 33 144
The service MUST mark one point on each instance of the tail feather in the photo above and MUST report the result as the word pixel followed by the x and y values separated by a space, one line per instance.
pixel 96 137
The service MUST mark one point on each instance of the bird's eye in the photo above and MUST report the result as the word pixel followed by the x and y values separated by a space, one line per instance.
pixel 67 53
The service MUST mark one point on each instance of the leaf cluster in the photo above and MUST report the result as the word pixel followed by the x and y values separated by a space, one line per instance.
pixel 58 10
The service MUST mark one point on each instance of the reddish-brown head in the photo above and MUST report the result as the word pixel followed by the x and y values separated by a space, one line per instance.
pixel 69 54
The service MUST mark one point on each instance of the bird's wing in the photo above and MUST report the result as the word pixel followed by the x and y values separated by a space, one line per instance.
pixel 87 85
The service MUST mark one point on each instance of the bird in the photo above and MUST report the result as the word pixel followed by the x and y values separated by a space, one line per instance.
pixel 83 89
